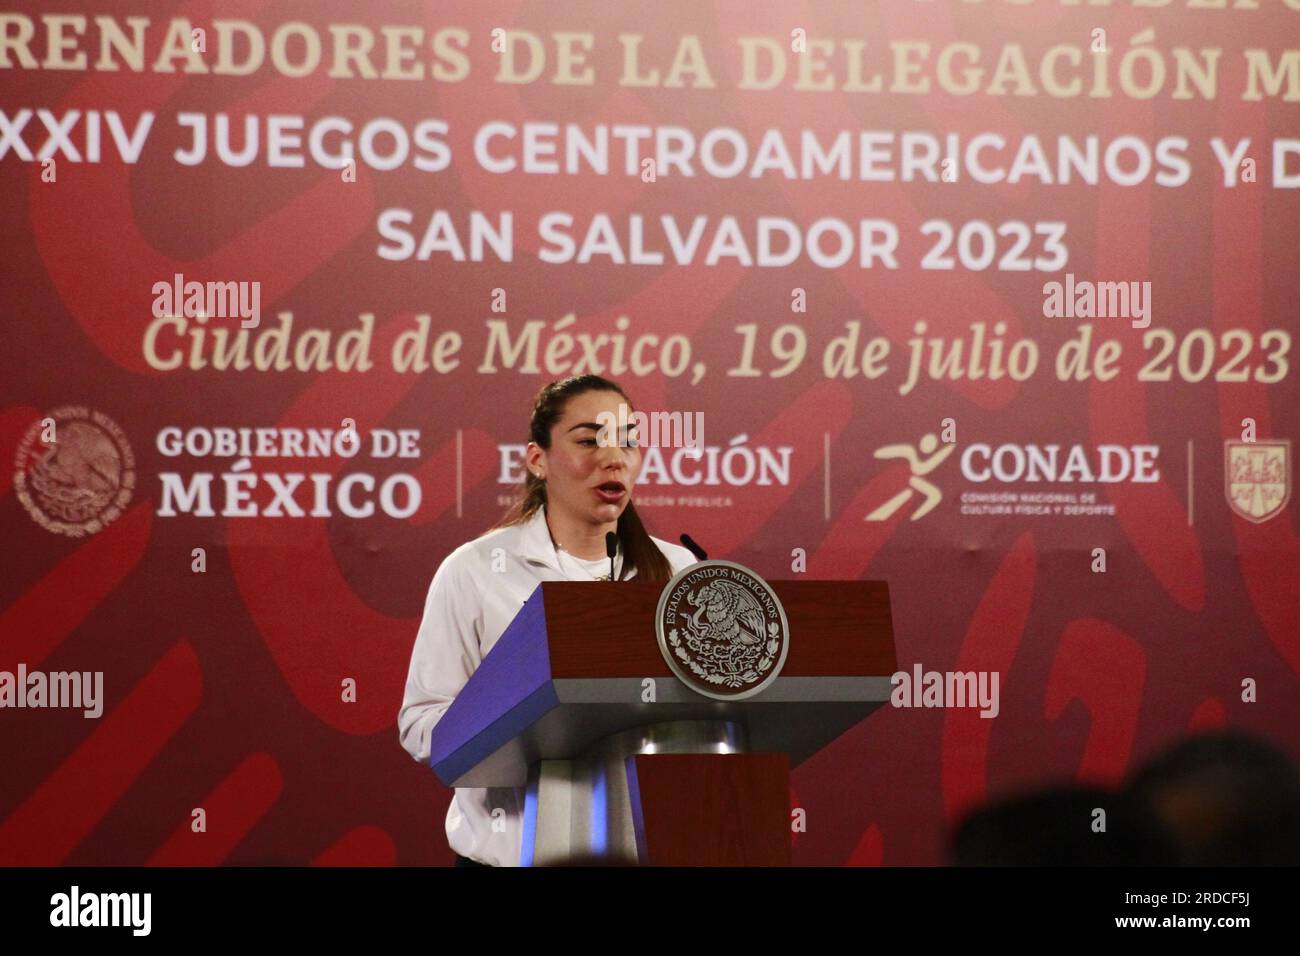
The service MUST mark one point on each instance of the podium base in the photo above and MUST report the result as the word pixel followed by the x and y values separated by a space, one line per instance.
pixel 679 793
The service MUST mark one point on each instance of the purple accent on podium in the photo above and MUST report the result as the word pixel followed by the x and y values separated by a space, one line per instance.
pixel 511 691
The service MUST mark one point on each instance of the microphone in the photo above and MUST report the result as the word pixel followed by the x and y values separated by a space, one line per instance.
pixel 611 549
pixel 695 548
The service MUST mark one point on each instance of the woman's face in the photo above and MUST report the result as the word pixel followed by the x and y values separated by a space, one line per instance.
pixel 582 458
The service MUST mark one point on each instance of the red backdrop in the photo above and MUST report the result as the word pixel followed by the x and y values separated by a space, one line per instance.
pixel 222 688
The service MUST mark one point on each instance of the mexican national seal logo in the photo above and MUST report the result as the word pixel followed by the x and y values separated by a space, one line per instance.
pixel 74 471
pixel 1257 477
pixel 722 630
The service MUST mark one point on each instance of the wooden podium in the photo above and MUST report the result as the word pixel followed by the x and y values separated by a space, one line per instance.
pixel 623 762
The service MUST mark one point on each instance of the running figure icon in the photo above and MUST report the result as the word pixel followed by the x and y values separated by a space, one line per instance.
pixel 917 483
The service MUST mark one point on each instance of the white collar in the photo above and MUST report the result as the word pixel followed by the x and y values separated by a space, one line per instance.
pixel 536 544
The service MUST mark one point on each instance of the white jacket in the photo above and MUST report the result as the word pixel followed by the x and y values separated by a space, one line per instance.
pixel 467 609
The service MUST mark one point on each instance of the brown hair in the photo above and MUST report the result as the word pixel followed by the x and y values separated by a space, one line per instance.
pixel 639 551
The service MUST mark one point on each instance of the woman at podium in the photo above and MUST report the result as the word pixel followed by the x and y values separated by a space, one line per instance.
pixel 580 476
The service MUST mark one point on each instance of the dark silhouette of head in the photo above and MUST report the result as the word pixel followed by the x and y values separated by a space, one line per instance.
pixel 1062 827
pixel 1228 798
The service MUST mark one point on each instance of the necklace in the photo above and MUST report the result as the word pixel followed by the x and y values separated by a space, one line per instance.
pixel 587 564
pixel 590 566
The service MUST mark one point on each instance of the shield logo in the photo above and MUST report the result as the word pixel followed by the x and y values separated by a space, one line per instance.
pixel 1257 477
